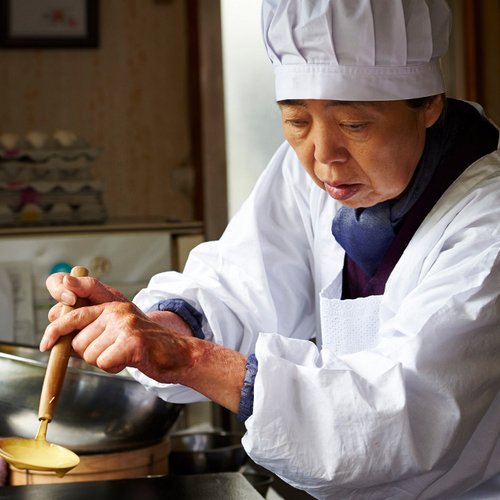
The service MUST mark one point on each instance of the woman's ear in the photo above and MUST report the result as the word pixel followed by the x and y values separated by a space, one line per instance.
pixel 433 110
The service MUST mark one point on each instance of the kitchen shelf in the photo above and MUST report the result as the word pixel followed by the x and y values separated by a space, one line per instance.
pixel 111 225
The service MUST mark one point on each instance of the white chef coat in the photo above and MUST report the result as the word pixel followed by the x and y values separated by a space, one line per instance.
pixel 410 407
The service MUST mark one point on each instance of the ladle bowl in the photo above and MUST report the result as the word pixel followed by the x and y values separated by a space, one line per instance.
pixel 38 454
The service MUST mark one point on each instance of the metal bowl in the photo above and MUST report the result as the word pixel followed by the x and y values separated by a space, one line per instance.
pixel 206 452
pixel 97 412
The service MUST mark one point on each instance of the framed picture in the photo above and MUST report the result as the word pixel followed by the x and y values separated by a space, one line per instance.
pixel 49 23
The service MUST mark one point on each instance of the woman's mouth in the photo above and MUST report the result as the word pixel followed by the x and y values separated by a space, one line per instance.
pixel 342 192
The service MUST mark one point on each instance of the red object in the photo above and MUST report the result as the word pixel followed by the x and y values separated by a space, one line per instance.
pixel 29 195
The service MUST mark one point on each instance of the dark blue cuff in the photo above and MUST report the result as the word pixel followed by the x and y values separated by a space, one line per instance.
pixel 246 400
pixel 186 311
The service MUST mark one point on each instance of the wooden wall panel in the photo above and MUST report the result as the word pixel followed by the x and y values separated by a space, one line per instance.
pixel 490 45
pixel 129 97
pixel 212 154
pixel 472 66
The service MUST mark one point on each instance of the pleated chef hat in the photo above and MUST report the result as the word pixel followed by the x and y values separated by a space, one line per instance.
pixel 356 50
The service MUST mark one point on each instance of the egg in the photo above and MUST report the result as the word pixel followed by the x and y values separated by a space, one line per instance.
pixel 30 214
pixel 10 141
pixel 6 215
pixel 65 138
pixel 37 139
pixel 60 212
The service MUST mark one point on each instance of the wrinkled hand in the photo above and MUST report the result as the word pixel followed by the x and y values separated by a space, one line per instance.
pixel 112 332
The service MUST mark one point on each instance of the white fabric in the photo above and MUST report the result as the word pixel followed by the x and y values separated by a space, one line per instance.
pixel 417 415
pixel 348 325
pixel 356 49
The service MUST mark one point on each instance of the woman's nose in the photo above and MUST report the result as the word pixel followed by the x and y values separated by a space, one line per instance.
pixel 329 147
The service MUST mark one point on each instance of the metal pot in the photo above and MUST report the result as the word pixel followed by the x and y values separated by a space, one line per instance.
pixel 97 412
pixel 206 452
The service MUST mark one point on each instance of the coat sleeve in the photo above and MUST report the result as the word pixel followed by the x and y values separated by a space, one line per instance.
pixel 256 278
pixel 417 415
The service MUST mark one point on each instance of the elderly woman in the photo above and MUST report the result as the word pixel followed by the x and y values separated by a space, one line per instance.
pixel 374 231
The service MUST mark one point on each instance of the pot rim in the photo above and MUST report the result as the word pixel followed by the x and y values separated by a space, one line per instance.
pixel 43 364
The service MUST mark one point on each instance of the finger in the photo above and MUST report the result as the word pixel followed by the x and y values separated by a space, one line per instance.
pixel 115 357
pixel 58 290
pixel 59 309
pixel 90 341
pixel 92 290
pixel 118 296
pixel 66 289
pixel 68 323
pixel 55 312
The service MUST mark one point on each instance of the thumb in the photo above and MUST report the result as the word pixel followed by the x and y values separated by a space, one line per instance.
pixel 92 290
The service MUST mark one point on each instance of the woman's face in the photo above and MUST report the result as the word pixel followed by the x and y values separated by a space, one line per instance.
pixel 360 153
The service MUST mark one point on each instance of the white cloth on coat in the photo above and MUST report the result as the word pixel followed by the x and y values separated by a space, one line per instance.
pixel 415 414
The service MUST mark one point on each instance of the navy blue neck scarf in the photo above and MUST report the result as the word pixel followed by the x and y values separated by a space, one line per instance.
pixel 366 233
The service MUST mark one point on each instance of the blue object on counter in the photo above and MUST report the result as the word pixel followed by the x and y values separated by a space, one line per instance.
pixel 61 267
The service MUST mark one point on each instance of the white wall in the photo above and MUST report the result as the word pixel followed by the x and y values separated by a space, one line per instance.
pixel 253 130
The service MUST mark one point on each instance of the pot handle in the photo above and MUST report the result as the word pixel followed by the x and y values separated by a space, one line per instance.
pixel 58 362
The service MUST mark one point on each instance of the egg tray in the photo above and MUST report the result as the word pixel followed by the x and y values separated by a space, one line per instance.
pixel 37 203
pixel 54 169
pixel 42 155
pixel 58 214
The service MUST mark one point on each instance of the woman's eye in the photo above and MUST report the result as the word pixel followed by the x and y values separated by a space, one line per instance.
pixel 296 123
pixel 354 127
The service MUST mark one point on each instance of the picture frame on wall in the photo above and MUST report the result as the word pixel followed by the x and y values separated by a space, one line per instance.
pixel 49 23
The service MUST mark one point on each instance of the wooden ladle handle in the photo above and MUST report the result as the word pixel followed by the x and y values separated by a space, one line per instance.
pixel 58 362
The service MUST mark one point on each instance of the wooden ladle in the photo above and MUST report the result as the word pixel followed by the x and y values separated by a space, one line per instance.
pixel 38 454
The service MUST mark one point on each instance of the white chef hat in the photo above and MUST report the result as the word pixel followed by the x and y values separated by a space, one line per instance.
pixel 356 50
